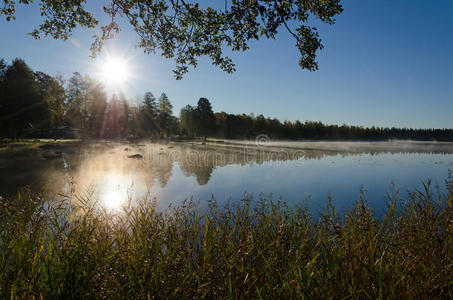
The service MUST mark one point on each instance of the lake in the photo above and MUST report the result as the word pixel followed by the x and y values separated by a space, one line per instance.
pixel 298 172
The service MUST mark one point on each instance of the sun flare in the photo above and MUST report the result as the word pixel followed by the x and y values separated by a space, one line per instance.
pixel 115 71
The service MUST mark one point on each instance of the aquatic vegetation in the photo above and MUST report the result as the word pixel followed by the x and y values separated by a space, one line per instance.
pixel 247 249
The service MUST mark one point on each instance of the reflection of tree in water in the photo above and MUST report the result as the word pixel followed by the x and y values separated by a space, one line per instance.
pixel 201 161
pixel 163 172
pixel 202 173
pixel 192 163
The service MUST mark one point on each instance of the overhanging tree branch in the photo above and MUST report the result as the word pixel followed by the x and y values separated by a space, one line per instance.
pixel 183 31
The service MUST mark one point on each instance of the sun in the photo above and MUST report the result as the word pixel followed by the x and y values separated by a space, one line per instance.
pixel 114 71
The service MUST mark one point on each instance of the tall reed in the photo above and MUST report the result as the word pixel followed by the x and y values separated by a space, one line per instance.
pixel 248 249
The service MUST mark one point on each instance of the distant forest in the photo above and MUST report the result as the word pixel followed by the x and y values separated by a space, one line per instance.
pixel 35 104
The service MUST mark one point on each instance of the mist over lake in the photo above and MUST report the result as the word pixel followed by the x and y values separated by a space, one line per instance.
pixel 301 173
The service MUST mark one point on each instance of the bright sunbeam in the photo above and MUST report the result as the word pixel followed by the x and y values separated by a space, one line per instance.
pixel 115 71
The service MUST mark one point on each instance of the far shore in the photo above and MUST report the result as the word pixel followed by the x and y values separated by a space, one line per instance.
pixel 339 146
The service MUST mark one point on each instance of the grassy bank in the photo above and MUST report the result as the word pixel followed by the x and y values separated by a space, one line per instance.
pixel 252 249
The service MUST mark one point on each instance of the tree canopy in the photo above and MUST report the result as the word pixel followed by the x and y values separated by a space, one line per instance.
pixel 185 30
pixel 35 104
pixel 198 121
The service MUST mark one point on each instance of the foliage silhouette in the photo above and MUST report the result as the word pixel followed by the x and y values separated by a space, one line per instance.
pixel 184 31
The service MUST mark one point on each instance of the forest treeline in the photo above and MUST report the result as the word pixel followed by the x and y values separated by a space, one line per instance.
pixel 35 104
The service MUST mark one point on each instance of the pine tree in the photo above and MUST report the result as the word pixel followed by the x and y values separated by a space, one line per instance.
pixel 206 118
pixel 23 109
pixel 165 111
pixel 149 114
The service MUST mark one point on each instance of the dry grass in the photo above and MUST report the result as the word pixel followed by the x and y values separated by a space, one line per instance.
pixel 251 249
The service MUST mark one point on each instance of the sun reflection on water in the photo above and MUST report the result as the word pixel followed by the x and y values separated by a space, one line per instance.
pixel 113 200
pixel 116 179
pixel 113 193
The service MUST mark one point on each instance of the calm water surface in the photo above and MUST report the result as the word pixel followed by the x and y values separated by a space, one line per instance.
pixel 298 172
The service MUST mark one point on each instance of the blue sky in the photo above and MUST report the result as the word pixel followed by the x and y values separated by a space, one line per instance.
pixel 385 63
